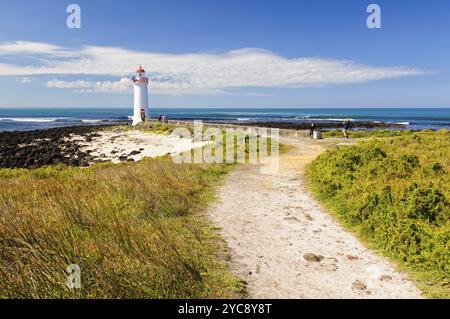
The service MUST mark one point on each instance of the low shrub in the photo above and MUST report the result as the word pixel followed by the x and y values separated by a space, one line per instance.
pixel 396 194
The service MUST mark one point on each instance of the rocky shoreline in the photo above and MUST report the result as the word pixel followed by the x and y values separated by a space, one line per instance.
pixel 32 149
pixel 83 146
pixel 319 125
pixel 73 146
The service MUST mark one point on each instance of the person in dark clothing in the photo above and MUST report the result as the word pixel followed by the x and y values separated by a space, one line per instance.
pixel 312 129
pixel 347 126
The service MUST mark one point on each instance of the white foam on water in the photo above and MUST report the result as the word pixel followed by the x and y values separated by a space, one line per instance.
pixel 28 119
pixel 92 121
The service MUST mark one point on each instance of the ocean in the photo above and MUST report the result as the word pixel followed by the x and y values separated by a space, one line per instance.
pixel 409 118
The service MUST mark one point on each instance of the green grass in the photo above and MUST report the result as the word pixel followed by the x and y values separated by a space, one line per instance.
pixel 151 127
pixel 220 141
pixel 395 193
pixel 134 229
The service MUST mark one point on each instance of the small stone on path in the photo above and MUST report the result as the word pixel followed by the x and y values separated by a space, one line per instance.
pixel 313 257
pixel 385 278
pixel 359 285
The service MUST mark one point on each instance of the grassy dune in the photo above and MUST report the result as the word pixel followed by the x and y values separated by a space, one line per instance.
pixel 134 229
pixel 395 193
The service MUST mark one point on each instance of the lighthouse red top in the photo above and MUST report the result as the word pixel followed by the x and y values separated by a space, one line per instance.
pixel 140 69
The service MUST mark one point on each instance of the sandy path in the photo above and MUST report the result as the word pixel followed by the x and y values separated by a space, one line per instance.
pixel 270 222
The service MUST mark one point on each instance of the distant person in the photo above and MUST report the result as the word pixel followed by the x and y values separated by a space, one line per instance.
pixel 347 126
pixel 160 118
pixel 312 129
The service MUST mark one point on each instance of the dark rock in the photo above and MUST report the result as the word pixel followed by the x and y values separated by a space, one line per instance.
pixel 298 125
pixel 359 285
pixel 44 147
pixel 313 257
pixel 385 278
pixel 134 153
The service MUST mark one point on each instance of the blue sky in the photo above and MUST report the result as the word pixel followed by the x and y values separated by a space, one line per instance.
pixel 217 53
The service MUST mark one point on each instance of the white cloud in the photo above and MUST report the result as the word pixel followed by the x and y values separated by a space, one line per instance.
pixel 34 48
pixel 193 72
pixel 24 80
pixel 81 84
pixel 122 86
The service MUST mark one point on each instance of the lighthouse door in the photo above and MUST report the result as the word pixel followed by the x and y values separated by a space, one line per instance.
pixel 143 114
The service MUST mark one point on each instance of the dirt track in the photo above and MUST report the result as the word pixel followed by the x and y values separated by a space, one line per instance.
pixel 284 245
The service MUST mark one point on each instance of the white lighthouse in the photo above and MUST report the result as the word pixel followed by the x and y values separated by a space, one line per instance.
pixel 141 111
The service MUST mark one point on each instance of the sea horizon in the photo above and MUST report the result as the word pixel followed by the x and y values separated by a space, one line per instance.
pixel 23 119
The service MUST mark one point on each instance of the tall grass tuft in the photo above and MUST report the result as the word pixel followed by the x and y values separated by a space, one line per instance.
pixel 132 229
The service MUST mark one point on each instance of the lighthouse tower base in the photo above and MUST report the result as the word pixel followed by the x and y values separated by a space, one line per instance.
pixel 139 119
pixel 141 112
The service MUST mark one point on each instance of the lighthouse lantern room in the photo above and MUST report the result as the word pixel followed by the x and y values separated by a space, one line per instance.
pixel 141 111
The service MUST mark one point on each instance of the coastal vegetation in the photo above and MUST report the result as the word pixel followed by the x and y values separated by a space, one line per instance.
pixel 134 229
pixel 152 127
pixel 395 193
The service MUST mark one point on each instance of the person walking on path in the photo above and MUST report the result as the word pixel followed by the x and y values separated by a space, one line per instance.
pixel 347 126
pixel 312 129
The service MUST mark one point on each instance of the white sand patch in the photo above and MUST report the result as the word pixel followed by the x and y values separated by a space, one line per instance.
pixel 133 144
